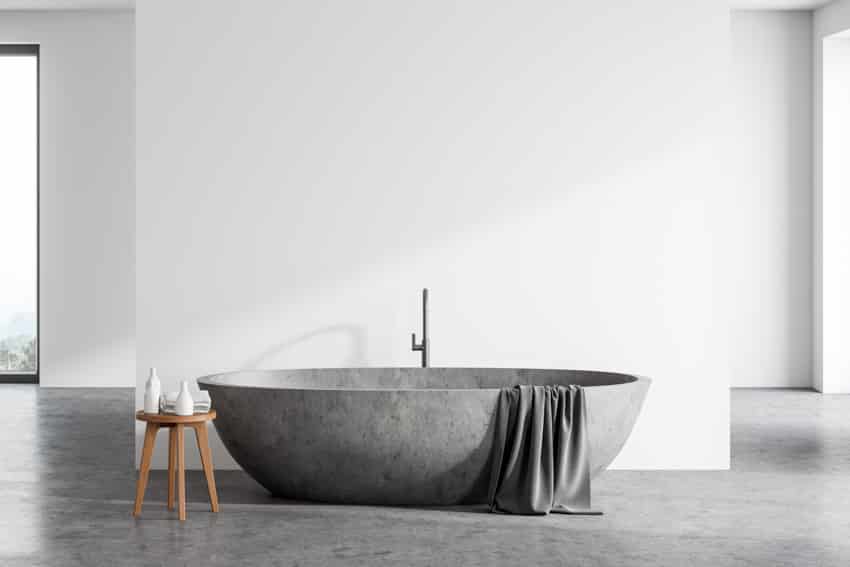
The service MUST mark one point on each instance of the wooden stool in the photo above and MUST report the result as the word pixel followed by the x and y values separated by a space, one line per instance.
pixel 176 456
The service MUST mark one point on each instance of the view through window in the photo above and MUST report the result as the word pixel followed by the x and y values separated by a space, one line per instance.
pixel 18 210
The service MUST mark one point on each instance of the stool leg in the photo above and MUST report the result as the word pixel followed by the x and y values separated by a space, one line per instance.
pixel 172 465
pixel 206 461
pixel 181 473
pixel 145 466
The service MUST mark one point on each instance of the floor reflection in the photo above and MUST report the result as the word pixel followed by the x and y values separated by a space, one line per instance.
pixel 20 473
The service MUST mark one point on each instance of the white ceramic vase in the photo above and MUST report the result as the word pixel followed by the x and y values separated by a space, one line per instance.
pixel 185 403
pixel 153 389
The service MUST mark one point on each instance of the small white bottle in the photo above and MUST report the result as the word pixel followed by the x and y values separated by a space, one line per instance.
pixel 185 403
pixel 153 389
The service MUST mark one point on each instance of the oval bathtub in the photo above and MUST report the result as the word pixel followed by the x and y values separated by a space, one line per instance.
pixel 416 436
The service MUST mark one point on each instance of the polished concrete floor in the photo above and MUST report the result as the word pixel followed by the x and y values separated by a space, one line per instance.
pixel 67 482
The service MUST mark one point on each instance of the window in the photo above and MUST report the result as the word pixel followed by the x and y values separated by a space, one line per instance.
pixel 18 213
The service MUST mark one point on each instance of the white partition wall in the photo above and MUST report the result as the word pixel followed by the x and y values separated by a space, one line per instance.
pixel 555 172
pixel 832 207
pixel 836 213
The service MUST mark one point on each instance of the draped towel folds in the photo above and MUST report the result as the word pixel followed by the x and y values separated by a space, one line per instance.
pixel 541 456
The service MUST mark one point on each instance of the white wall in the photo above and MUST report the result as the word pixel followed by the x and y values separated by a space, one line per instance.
pixel 832 280
pixel 836 213
pixel 87 260
pixel 772 76
pixel 555 172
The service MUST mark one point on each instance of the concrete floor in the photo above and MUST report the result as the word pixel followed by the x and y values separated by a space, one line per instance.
pixel 67 483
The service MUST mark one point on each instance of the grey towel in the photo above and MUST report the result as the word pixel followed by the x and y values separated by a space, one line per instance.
pixel 541 460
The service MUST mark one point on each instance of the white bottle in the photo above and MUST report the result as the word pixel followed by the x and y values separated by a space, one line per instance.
pixel 153 388
pixel 185 404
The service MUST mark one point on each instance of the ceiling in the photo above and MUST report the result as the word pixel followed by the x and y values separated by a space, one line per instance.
pixel 129 4
pixel 67 4
pixel 777 4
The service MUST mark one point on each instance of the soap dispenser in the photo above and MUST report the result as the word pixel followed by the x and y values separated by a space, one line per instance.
pixel 153 388
pixel 185 404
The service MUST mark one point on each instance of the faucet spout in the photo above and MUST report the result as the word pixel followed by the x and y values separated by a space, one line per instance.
pixel 423 346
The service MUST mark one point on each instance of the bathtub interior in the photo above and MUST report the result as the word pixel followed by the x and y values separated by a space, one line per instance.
pixel 412 378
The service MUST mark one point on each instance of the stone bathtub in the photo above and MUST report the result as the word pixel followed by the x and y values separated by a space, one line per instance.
pixel 394 436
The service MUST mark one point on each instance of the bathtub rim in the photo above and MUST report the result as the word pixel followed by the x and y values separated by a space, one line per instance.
pixel 209 379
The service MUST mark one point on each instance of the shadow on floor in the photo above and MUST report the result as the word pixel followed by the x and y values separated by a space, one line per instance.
pixel 236 488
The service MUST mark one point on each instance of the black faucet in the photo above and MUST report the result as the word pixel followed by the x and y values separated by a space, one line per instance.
pixel 423 346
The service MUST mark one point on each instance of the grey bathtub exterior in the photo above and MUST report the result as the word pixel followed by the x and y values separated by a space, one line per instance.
pixel 393 436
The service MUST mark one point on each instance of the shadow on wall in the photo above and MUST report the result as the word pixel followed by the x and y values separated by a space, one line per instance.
pixel 355 358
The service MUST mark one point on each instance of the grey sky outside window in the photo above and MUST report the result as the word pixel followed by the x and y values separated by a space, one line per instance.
pixel 19 179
